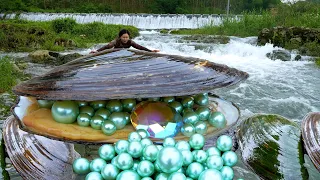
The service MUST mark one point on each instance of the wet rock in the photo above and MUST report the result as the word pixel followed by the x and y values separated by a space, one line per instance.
pixel 41 56
pixel 279 54
pixel 207 39
pixel 64 42
pixel 297 58
pixel 51 58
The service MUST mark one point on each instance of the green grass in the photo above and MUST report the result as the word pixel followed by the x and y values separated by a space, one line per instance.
pixel 318 62
pixel 8 74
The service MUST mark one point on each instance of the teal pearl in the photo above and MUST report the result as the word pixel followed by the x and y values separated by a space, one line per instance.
pixel 114 106
pixel 187 157
pixel 177 176
pixel 96 122
pixel 126 117
pixel 65 112
pixel 128 104
pixel 169 159
pixel 177 106
pixel 143 133
pixel 168 99
pixel 146 142
pixel 210 174
pixel 106 152
pixel 150 153
pixel 169 141
pixel 121 146
pixel 197 141
pixel 213 151
pixel 145 168
pixel 201 127
pixel 182 145
pixel 135 149
pixel 97 164
pixel 162 176
pixel 110 171
pixel 157 168
pixel 187 102
pixel 108 127
pixel 98 104
pixel 201 100
pixel 45 103
pixel 194 170
pixel 159 147
pixel 227 173
pixel 215 162
pixel 118 119
pixel 189 178
pixel 124 161
pixel 114 161
pixel 230 158
pixel 200 156
pixel 224 143
pixel 87 109
pixel 147 178
pixel 217 119
pixel 81 166
pixel 190 117
pixel 94 176
pixel 83 103
pixel 186 110
pixel 128 175
pixel 103 113
pixel 135 165
pixel 83 119
pixel 134 136
pixel 154 99
pixel 203 113
pixel 188 129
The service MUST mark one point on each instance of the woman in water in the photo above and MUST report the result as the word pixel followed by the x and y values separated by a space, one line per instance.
pixel 123 41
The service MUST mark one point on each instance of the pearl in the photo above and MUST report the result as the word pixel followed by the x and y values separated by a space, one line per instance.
pixel 128 175
pixel 126 117
pixel 97 165
pixel 87 109
pixel 154 99
pixel 150 153
pixel 230 158
pixel 190 117
pixel 187 102
pixel 177 176
pixel 159 147
pixel 169 159
pixel 194 170
pixel 83 119
pixel 65 112
pixel 135 165
pixel 188 129
pixel 81 166
pixel 183 145
pixel 203 113
pixel 114 161
pixel 200 156
pixel 169 141
pixel 103 113
pixel 83 103
pixel 94 176
pixel 213 151
pixel 217 119
pixel 96 122
pixel 98 104
pixel 121 146
pixel 143 133
pixel 108 127
pixel 201 100
pixel 146 142
pixel 187 157
pixel 114 106
pixel 124 161
pixel 128 104
pixel 110 171
pixel 215 162
pixel 45 103
pixel 157 168
pixel 147 178
pixel 118 119
pixel 210 174
pixel 135 149
pixel 168 99
pixel 227 173
pixel 162 176
pixel 186 110
pixel 176 105
pixel 224 143
pixel 197 141
pixel 134 136
pixel 201 127
pixel 145 168
pixel 106 152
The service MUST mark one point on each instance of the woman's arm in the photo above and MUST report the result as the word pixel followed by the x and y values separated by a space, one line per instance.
pixel 137 46
pixel 108 46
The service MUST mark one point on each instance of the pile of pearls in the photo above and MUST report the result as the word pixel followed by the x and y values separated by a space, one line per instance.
pixel 138 158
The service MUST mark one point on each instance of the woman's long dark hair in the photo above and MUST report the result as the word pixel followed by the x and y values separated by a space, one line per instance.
pixel 123 31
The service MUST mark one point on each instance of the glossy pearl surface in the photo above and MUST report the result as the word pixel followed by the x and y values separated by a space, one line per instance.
pixel 169 141
pixel 200 156
pixel 114 106
pixel 97 165
pixel 215 162
pixel 190 117
pixel 203 113
pixel 65 112
pixel 124 161
pixel 45 103
pixel 135 149
pixel 146 142
pixel 110 171
pixel 128 174
pixel 197 141
pixel 128 104
pixel 121 146
pixel 201 127
pixel 134 136
pixel 224 143
pixel 211 174
pixel 98 104
pixel 87 109
pixel 103 112
pixel 145 168
pixel 108 127
pixel 177 176
pixel 119 119
pixel 177 106
pixel 169 159
pixel 96 122
pixel 182 145
pixel 83 119
pixel 188 129
pixel 143 133
pixel 230 158
pixel 81 166
pixel 213 151
pixel 187 157
pixel 227 173
pixel 168 99
pixel 217 119
pixel 194 170
pixel 94 176
pixel 150 153
pixel 201 100
pixel 106 152
pixel 187 102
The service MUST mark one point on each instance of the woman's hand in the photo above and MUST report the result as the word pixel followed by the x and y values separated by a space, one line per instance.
pixel 156 50
pixel 93 51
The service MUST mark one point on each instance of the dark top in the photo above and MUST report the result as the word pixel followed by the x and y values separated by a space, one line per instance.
pixel 117 43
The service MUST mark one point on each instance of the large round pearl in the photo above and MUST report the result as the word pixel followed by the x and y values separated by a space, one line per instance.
pixel 83 119
pixel 114 161
pixel 182 145
pixel 201 100
pixel 177 176
pixel 169 141
pixel 45 103
pixel 230 158
pixel 110 171
pixel 114 106
pixel 217 119
pixel 150 153
pixel 118 119
pixel 190 117
pixel 108 127
pixel 134 136
pixel 128 175
pixel 227 173
pixel 168 99
pixel 124 161
pixel 143 133
pixel 213 151
pixel 128 104
pixel 147 178
pixel 197 141
pixel 87 109
pixel 194 170
pixel 210 174
pixel 81 166
pixel 162 176
pixel 215 162
pixel 145 168
pixel 169 159
pixel 98 104
pixel 106 152
pixel 187 102
pixel 135 149
pixel 203 113
pixel 201 127
pixel 146 142
pixel 121 146
pixel 83 103
pixel 200 156
pixel 224 143
pixel 186 110
pixel 96 122
pixel 187 157
pixel 188 129
pixel 94 176
pixel 97 165
pixel 103 113
pixel 177 106
pixel 65 111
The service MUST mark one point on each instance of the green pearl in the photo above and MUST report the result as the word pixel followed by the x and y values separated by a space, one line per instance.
pixel 145 168
pixel 217 119
pixel 177 106
pixel 118 119
pixel 135 149
pixel 128 104
pixel 227 173
pixel 194 170
pixel 186 110
pixel 224 143
pixel 154 99
pixel 200 156
pixel 81 166
pixel 157 168
pixel 197 141
pixel 106 152
pixel 98 104
pixel 211 174
pixel 213 151
pixel 189 178
pixel 201 100
pixel 143 133
pixel 187 102
pixel 114 161
pixel 169 141
pixel 134 136
pixel 135 165
pixel 83 103
pixel 215 162
pixel 230 158
pixel 188 129
pixel 169 159
pixel 103 113
pixel 128 175
pixel 203 113
pixel 187 157
pixel 121 146
pixel 94 176
pixel 147 178
pixel 182 145
pixel 108 127
pixel 114 106
pixel 146 142
pixel 177 176
pixel 190 117
pixel 124 161
pixel 168 99
pixel 201 127
pixel 96 122
pixel 87 109
pixel 162 176
pixel 159 147
pixel 83 119
pixel 65 112
pixel 97 165
pixel 45 103
pixel 126 117
pixel 150 153
pixel 110 171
